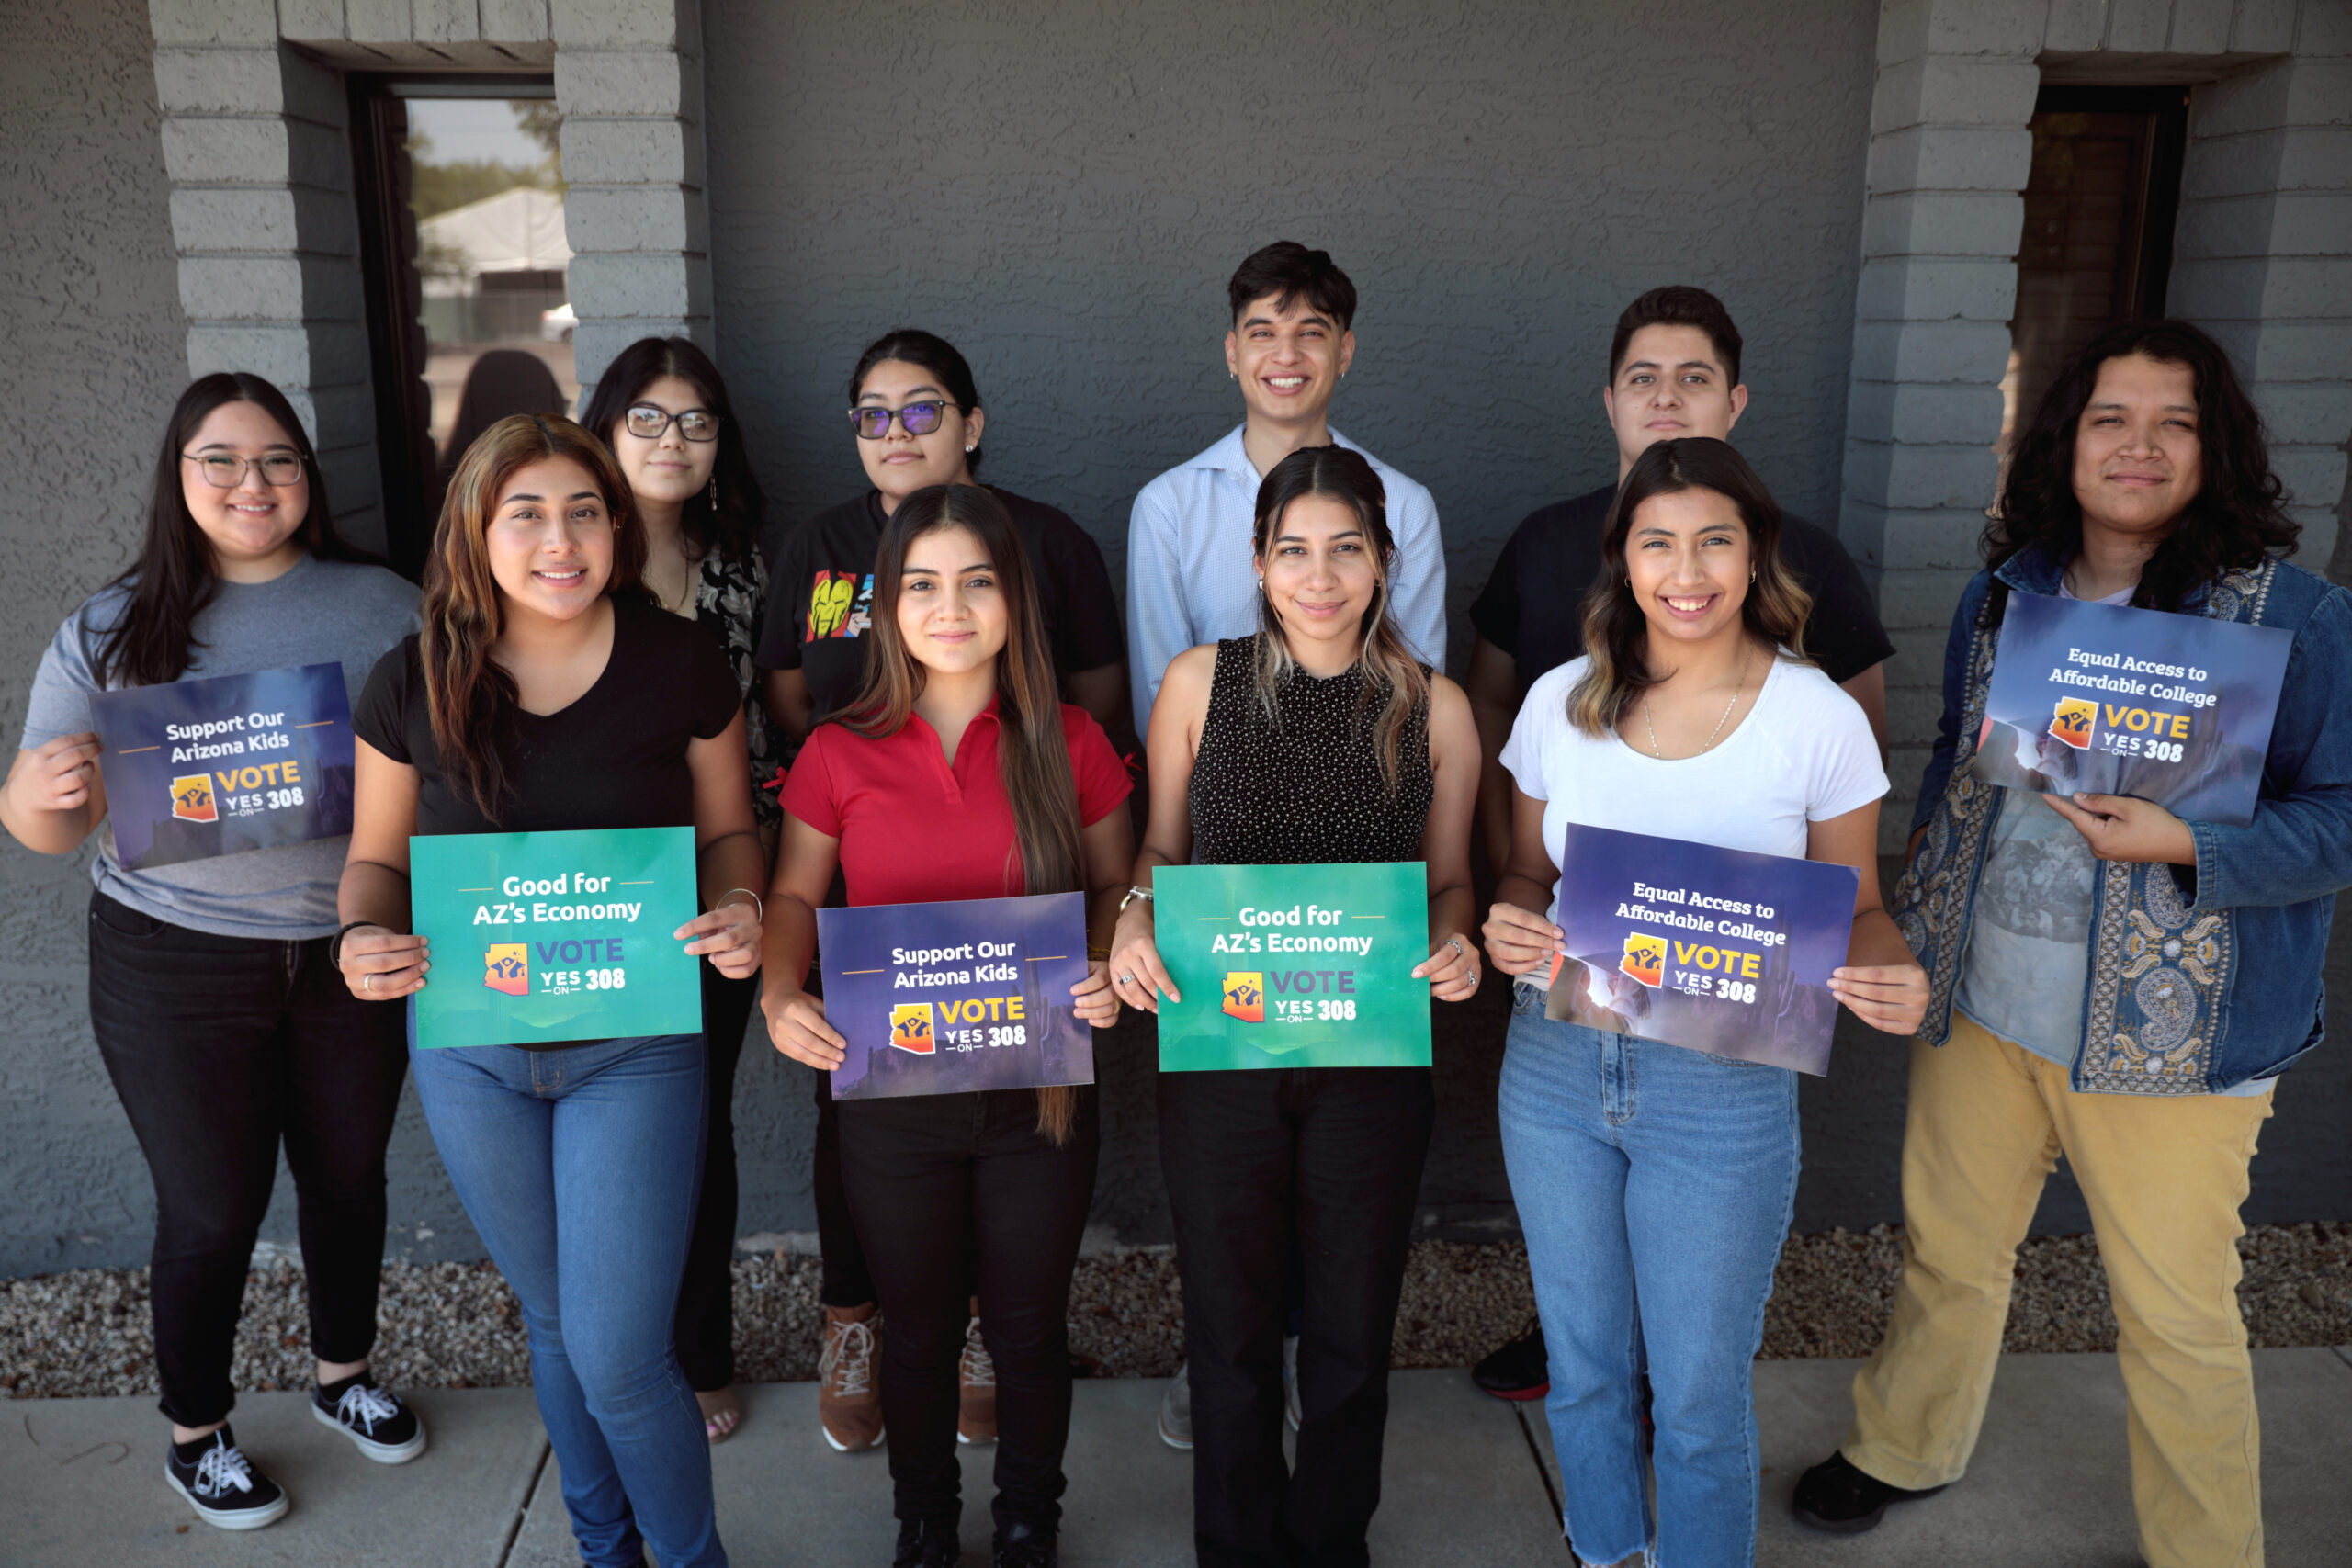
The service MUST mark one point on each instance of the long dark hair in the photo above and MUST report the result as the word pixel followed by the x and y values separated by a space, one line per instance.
pixel 2237 516
pixel 934 354
pixel 1033 758
pixel 1393 677
pixel 173 579
pixel 732 526
pixel 465 692
pixel 1615 629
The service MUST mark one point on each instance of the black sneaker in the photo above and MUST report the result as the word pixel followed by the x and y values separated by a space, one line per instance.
pixel 1517 1370
pixel 1835 1497
pixel 222 1486
pixel 927 1544
pixel 372 1417
pixel 1024 1546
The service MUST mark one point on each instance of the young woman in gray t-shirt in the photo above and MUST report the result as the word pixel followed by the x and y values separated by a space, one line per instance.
pixel 221 1020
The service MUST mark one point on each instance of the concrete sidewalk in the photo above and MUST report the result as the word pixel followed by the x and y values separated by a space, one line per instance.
pixel 1468 1481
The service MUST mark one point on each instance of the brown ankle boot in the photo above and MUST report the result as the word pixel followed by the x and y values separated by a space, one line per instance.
pixel 849 1393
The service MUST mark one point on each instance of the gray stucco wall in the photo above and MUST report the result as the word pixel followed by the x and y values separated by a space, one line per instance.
pixel 95 351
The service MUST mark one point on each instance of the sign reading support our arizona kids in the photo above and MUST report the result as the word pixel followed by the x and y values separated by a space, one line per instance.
pixel 2104 699
pixel 1717 950
pixel 543 937
pixel 1293 965
pixel 945 998
pixel 196 768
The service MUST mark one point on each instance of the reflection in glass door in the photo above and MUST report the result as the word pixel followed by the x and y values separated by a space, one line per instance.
pixel 462 201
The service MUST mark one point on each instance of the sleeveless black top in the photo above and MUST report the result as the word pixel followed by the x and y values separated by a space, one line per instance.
pixel 1305 790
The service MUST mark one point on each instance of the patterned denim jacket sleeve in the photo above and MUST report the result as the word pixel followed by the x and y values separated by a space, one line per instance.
pixel 2166 952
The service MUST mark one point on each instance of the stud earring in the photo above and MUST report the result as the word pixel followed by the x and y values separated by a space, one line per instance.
pixel 973 447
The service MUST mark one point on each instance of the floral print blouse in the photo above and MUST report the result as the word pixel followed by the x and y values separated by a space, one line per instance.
pixel 730 594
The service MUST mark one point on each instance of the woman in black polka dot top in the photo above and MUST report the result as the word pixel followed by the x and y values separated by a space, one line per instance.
pixel 1317 741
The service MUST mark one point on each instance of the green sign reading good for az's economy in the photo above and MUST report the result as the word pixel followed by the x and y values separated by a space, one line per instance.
pixel 1293 965
pixel 543 937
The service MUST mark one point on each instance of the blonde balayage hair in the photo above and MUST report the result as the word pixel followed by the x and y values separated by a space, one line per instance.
pixel 1615 627
pixel 1393 677
pixel 467 694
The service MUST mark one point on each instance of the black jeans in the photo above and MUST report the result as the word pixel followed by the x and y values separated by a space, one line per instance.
pixel 1327 1159
pixel 705 1327
pixel 944 1185
pixel 846 1280
pixel 219 1047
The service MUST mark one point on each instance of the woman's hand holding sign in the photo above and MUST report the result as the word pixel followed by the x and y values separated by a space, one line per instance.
pixel 729 936
pixel 1137 976
pixel 1098 1004
pixel 1889 997
pixel 2124 828
pixel 1451 970
pixel 1519 940
pixel 797 1023
pixel 380 964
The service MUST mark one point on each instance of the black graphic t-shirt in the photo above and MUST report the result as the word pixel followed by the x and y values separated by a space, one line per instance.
pixel 1533 606
pixel 820 600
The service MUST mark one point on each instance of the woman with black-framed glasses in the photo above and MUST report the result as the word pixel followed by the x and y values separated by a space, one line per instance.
pixel 915 418
pixel 663 408
pixel 218 1012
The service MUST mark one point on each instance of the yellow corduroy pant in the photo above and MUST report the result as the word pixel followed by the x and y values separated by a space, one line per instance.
pixel 2164 1176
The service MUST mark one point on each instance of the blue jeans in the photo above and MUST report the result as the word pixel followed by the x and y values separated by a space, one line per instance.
pixel 1655 1185
pixel 580 1168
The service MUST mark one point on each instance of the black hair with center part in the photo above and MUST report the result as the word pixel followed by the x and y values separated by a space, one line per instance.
pixel 912 345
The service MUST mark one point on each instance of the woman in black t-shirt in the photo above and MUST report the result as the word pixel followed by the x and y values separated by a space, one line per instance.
pixel 549 693
pixel 917 417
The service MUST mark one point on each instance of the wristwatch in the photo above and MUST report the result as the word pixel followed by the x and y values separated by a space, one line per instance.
pixel 1134 895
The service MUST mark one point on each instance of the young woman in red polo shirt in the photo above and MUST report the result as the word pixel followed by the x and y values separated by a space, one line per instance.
pixel 958 773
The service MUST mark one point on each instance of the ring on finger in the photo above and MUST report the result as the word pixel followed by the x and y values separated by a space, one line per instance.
pixel 369 983
pixel 1127 979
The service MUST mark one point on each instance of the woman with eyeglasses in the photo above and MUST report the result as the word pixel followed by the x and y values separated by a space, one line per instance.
pixel 662 409
pixel 916 417
pixel 219 1018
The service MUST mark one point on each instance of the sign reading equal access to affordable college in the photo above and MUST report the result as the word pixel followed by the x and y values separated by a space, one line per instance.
pixel 196 768
pixel 946 998
pixel 1293 965
pixel 1721 951
pixel 538 938
pixel 2104 699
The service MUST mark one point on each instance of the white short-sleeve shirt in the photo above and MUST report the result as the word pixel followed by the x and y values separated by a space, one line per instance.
pixel 1804 754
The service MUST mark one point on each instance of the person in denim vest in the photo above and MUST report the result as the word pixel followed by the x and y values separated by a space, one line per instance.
pixel 2106 979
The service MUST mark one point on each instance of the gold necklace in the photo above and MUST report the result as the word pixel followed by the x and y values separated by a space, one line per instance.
pixel 1739 682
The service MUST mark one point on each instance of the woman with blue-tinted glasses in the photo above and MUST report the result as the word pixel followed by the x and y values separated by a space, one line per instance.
pixel 2108 980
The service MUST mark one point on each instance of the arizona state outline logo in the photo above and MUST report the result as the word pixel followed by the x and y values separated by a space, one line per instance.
pixel 910 1028
pixel 504 967
pixel 1644 959
pixel 2072 722
pixel 1245 995
pixel 192 798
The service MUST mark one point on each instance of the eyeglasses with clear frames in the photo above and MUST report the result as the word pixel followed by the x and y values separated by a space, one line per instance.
pixel 226 471
pixel 649 421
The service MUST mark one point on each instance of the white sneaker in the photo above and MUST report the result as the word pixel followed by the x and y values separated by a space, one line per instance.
pixel 1176 1411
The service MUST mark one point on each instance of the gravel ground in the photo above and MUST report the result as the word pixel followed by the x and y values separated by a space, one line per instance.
pixel 455 1325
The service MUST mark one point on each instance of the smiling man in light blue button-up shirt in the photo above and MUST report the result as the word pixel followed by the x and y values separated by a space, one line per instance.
pixel 1190 575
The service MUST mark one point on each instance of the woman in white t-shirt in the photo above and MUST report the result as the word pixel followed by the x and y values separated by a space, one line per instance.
pixel 1655 1183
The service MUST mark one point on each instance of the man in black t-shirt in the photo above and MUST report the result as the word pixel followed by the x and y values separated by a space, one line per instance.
pixel 820 601
pixel 1673 372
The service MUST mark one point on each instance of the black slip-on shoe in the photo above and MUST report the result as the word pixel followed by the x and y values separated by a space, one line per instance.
pixel 1835 1497
pixel 1517 1370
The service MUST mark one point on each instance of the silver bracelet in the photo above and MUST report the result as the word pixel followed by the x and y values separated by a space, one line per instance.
pixel 759 906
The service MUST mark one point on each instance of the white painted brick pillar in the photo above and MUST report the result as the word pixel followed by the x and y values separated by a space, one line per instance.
pixel 2263 254
pixel 262 218
pixel 1943 209
pixel 628 81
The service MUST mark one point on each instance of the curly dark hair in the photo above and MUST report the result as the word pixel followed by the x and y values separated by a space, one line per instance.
pixel 2237 516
